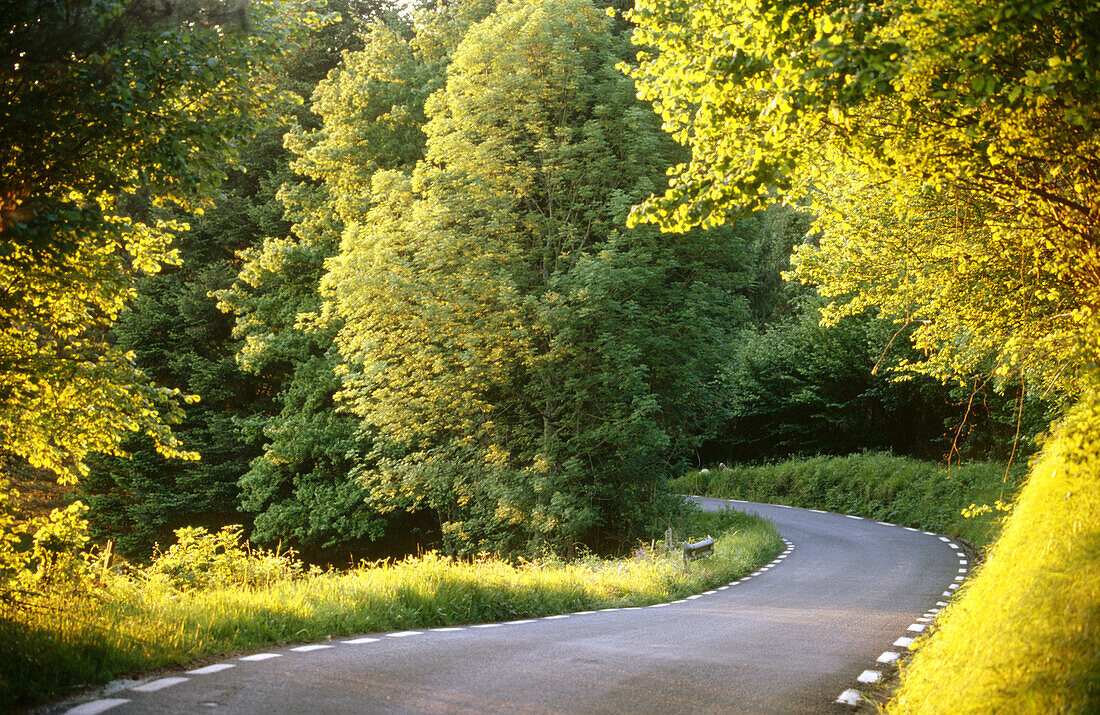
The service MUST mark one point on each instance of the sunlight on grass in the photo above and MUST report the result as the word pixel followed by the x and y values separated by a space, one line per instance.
pixel 149 621
pixel 1025 635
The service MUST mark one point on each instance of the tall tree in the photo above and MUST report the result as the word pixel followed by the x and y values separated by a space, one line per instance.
pixel 302 486
pixel 530 369
pixel 111 112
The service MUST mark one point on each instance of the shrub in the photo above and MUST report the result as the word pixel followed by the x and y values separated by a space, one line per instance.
pixel 200 560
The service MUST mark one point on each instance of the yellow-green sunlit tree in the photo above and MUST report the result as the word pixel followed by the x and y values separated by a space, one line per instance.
pixel 951 146
pixel 117 117
pixel 530 368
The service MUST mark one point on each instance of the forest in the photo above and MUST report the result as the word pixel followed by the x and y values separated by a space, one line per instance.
pixel 368 278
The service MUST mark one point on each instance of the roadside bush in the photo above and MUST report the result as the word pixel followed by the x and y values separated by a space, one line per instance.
pixel 200 560
pixel 1025 635
pixel 44 557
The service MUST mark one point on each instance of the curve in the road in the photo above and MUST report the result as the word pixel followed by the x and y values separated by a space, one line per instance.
pixel 781 640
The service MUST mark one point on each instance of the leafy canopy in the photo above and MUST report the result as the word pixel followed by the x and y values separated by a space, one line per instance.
pixel 114 111
pixel 950 146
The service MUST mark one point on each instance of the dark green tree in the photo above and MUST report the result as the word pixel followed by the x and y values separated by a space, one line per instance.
pixel 180 338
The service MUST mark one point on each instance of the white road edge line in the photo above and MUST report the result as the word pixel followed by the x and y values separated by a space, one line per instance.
pixel 869 676
pixel 261 656
pixel 159 684
pixel 207 670
pixel 851 697
pixel 95 707
pixel 361 641
pixel 311 648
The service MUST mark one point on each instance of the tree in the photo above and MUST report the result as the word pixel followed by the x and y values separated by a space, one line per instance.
pixel 530 370
pixel 949 144
pixel 302 487
pixel 112 112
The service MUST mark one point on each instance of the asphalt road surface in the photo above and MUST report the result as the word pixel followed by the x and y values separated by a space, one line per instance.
pixel 790 639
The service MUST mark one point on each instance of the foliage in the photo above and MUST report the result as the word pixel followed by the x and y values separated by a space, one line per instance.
pixel 874 485
pixel 44 557
pixel 299 487
pixel 110 113
pixel 139 626
pixel 201 561
pixel 952 143
pixel 1025 633
pixel 529 368
pixel 181 339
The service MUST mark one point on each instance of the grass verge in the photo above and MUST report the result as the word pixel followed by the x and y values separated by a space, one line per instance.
pixel 137 624
pixel 875 485
pixel 1024 636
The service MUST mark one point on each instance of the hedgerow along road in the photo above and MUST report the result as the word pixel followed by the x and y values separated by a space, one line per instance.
pixel 791 638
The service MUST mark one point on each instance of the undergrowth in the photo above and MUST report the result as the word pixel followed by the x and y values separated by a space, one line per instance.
pixel 875 485
pixel 209 595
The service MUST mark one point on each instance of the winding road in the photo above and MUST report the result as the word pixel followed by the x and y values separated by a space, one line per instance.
pixel 790 639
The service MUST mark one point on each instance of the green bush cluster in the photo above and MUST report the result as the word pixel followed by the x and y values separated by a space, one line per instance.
pixel 875 485
pixel 42 557
pixel 200 560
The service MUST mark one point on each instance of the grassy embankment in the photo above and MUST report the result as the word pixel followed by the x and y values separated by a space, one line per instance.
pixel 874 485
pixel 1024 635
pixel 145 621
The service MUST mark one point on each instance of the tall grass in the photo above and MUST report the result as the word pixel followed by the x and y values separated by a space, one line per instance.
pixel 1025 635
pixel 874 485
pixel 139 624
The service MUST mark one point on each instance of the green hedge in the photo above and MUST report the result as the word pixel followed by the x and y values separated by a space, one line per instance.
pixel 875 485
